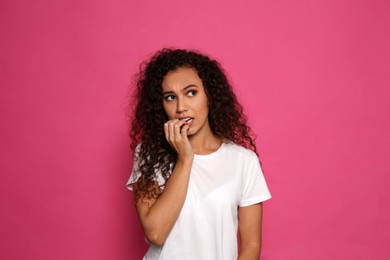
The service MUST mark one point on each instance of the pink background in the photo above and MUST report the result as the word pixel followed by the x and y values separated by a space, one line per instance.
pixel 313 76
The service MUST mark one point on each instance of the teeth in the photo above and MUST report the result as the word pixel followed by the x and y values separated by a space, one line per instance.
pixel 189 119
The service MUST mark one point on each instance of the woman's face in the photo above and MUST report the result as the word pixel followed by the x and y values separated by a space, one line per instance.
pixel 184 98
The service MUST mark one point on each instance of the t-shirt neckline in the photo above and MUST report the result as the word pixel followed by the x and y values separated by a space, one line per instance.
pixel 210 155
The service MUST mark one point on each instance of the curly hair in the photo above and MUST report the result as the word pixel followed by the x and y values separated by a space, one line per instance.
pixel 152 151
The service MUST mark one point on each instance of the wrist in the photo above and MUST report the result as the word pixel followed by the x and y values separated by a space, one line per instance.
pixel 185 160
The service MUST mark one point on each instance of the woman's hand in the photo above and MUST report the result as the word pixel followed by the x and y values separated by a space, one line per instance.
pixel 159 215
pixel 176 134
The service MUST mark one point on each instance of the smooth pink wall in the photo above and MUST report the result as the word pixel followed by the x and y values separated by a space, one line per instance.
pixel 313 76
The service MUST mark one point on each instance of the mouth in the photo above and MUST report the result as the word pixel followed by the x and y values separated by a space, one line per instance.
pixel 187 120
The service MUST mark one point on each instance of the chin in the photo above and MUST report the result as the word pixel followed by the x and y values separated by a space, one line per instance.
pixel 191 132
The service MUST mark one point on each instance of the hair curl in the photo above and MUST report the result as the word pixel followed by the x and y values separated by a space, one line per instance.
pixel 226 118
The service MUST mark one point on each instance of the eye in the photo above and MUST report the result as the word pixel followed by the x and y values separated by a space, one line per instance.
pixel 169 97
pixel 192 93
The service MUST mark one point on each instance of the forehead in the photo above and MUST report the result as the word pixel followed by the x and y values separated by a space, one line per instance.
pixel 180 78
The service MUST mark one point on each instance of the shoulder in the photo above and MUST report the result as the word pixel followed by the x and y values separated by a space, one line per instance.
pixel 137 151
pixel 240 151
pixel 137 148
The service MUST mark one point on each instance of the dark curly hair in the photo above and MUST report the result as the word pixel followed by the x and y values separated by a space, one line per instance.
pixel 152 151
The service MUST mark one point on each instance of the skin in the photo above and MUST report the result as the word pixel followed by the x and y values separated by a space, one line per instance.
pixel 185 97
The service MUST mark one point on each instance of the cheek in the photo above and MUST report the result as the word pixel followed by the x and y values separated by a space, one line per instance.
pixel 203 106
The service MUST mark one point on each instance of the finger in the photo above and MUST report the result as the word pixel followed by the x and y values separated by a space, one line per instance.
pixel 184 131
pixel 166 131
pixel 177 129
pixel 171 128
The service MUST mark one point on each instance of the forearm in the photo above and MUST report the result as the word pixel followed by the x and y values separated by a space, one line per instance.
pixel 162 215
pixel 250 252
pixel 250 219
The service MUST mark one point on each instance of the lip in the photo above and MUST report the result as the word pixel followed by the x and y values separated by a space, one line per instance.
pixel 186 119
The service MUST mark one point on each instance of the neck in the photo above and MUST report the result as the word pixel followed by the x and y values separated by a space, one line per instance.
pixel 205 144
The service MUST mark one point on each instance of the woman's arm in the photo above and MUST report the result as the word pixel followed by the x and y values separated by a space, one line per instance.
pixel 249 222
pixel 158 216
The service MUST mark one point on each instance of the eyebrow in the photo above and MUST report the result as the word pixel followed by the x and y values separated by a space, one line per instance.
pixel 183 89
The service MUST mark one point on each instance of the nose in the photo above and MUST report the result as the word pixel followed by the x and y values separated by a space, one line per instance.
pixel 180 108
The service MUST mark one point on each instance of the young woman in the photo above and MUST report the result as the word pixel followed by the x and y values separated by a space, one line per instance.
pixel 196 177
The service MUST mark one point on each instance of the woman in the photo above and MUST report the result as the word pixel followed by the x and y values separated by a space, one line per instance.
pixel 196 176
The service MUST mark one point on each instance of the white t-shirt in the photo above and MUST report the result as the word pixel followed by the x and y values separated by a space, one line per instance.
pixel 207 224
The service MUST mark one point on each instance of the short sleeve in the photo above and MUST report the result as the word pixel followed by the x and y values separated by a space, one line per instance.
pixel 255 189
pixel 136 174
